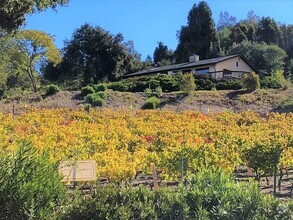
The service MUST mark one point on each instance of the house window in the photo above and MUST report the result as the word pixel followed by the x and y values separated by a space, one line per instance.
pixel 202 71
pixel 237 63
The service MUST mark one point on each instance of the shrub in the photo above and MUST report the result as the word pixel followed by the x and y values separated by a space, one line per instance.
pixel 151 103
pixel 100 87
pixel 279 76
pixel 270 82
pixel 98 101
pixel 30 186
pixel 251 81
pixel 204 82
pixel 121 86
pixel 159 90
pixel 87 90
pixel 102 95
pixel 52 89
pixel 229 85
pixel 210 194
pixel 213 88
pixel 168 83
pixel 148 91
pixel 90 98
pixel 187 82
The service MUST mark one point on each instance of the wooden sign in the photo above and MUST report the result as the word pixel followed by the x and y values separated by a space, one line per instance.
pixel 78 171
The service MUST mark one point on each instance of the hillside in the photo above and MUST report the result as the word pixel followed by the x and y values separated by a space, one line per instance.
pixel 261 101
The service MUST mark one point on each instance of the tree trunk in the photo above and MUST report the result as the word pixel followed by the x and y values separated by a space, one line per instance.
pixel 31 76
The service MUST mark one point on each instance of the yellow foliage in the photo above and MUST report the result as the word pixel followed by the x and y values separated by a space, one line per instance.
pixel 123 142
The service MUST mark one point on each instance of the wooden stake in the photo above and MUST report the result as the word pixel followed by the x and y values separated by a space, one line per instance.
pixel 155 177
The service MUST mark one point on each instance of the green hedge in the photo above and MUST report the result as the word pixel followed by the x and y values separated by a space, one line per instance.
pixel 171 83
pixel 139 84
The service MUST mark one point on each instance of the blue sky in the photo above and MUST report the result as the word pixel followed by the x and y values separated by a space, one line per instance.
pixel 146 21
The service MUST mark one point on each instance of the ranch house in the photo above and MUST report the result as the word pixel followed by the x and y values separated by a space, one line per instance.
pixel 227 67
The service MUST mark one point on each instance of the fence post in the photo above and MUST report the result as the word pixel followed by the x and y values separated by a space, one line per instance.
pixel 276 160
pixel 182 168
pixel 155 177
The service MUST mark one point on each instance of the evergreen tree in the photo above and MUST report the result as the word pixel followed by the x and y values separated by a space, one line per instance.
pixel 162 54
pixel 199 35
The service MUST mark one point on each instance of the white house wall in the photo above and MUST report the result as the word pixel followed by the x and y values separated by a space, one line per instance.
pixel 231 65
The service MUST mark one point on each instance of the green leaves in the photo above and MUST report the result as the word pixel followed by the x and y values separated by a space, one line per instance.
pixel 30 186
pixel 13 12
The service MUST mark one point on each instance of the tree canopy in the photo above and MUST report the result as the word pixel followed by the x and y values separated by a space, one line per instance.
pixel 199 35
pixel 34 47
pixel 162 55
pixel 13 12
pixel 268 31
pixel 94 55
pixel 267 59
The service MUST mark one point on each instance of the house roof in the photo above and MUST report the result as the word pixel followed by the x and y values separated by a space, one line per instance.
pixel 182 66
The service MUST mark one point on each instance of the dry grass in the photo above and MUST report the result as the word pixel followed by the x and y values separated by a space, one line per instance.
pixel 261 101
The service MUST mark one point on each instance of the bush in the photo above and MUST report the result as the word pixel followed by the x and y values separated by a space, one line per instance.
pixel 159 90
pixel 229 85
pixel 30 186
pixel 270 82
pixel 90 98
pixel 139 84
pixel 98 101
pixel 100 87
pixel 151 103
pixel 118 86
pixel 204 82
pixel 187 82
pixel 102 95
pixel 210 194
pixel 148 91
pixel 52 89
pixel 251 81
pixel 87 90
pixel 279 76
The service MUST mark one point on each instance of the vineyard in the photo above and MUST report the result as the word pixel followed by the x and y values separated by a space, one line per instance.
pixel 124 142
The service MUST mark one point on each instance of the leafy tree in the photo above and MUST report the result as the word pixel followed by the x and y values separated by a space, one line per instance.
pixel 10 76
pixel 34 48
pixel 286 43
pixel 224 39
pixel 13 12
pixel 241 32
pixel 268 31
pixel 94 55
pixel 265 58
pixel 226 20
pixel 252 18
pixel 199 35
pixel 162 55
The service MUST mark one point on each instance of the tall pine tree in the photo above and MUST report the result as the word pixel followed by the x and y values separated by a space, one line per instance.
pixel 199 35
